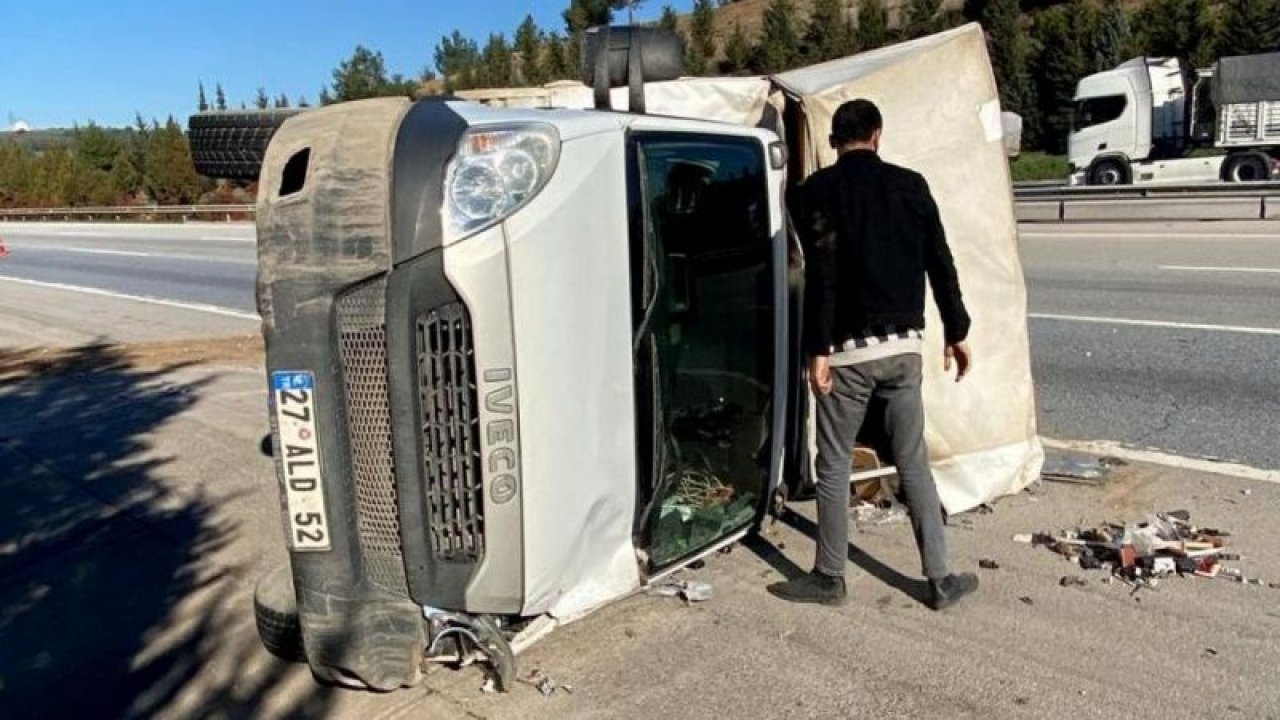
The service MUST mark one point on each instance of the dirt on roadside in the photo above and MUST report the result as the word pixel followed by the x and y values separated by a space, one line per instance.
pixel 21 363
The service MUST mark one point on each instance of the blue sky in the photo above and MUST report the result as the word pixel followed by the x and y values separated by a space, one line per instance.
pixel 68 61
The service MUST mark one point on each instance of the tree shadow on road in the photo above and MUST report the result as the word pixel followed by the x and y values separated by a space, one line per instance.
pixel 111 602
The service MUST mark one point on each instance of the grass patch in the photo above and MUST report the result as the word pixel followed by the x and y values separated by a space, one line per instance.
pixel 1039 166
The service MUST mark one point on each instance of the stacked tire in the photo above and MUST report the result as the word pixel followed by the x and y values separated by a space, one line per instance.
pixel 231 145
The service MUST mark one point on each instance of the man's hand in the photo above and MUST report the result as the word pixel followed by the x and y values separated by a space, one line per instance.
pixel 964 359
pixel 820 375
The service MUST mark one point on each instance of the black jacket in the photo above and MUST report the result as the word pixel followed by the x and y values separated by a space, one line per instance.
pixel 871 233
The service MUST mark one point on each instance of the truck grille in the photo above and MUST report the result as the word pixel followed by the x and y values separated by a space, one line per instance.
pixel 451 434
pixel 361 317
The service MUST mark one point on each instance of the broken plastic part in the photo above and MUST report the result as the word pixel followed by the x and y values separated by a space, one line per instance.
pixel 691 591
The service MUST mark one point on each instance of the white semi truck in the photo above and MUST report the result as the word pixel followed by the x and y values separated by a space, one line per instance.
pixel 1132 124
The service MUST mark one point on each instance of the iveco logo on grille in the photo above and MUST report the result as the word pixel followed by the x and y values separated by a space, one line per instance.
pixel 502 461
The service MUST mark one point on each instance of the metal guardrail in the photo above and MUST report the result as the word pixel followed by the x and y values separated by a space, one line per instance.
pixel 1036 202
pixel 122 213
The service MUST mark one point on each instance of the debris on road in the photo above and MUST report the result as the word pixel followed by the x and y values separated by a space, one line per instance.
pixel 691 591
pixel 1027 601
pixel 1081 470
pixel 544 683
pixel 1073 581
pixel 1166 544
pixel 988 564
pixel 883 512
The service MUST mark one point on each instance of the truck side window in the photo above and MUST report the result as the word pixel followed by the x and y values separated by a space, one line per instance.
pixel 1098 110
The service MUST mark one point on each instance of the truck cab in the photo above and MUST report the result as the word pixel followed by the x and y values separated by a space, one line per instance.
pixel 1130 113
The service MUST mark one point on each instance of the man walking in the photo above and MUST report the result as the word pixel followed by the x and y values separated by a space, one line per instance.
pixel 872 235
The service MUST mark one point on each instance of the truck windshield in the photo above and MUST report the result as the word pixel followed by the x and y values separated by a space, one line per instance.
pixel 707 336
pixel 1098 110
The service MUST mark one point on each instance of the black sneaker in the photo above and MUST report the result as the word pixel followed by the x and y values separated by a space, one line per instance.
pixel 812 588
pixel 945 592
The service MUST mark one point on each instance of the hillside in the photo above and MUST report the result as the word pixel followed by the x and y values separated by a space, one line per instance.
pixel 749 13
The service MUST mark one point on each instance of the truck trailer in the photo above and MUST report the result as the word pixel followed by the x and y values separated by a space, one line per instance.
pixel 1142 122
pixel 527 361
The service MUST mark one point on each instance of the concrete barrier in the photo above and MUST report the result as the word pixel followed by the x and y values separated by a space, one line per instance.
pixel 1163 209
pixel 1038 211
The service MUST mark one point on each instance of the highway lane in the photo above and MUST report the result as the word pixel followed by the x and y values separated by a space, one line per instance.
pixel 1199 376
pixel 1196 375
pixel 202 264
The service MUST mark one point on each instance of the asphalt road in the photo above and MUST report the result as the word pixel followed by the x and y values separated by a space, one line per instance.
pixel 1157 335
pixel 1199 375
pixel 201 264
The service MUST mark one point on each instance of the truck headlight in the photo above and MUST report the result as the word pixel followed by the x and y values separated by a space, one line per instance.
pixel 496 170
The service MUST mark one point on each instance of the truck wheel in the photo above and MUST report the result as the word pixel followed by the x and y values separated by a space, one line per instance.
pixel 1250 167
pixel 230 145
pixel 275 609
pixel 1109 172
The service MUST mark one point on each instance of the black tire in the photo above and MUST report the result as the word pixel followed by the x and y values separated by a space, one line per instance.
pixel 275 609
pixel 1109 171
pixel 1246 167
pixel 231 145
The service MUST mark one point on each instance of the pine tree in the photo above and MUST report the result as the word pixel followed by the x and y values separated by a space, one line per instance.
pixel 458 59
pixel 497 62
pixel 324 98
pixel 738 51
pixel 1062 58
pixel 282 101
pixel 1009 54
pixel 779 43
pixel 924 17
pixel 203 103
pixel 302 102
pixel 220 98
pixel 582 14
pixel 1250 26
pixel 261 101
pixel 555 65
pixel 670 20
pixel 827 35
pixel 702 40
pixel 1113 37
pixel 1177 28
pixel 529 49
pixel 169 175
pixel 873 26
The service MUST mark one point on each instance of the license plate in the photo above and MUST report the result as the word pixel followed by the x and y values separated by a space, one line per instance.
pixel 294 396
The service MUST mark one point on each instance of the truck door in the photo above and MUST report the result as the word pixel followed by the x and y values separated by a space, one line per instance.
pixel 709 316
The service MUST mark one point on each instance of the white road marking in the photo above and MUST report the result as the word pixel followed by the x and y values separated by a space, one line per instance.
pixel 215 238
pixel 83 233
pixel 1155 323
pixel 199 307
pixel 1158 457
pixel 90 251
pixel 1151 235
pixel 1194 268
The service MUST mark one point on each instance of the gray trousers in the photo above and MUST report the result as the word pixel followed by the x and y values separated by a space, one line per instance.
pixel 896 380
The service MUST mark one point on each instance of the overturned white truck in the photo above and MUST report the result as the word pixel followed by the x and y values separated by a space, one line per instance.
pixel 526 361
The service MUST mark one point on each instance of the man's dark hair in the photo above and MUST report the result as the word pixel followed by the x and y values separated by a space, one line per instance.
pixel 855 121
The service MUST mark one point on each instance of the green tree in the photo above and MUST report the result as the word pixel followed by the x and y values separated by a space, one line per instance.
pixel 702 38
pixel 169 174
pixel 555 66
pixel 529 43
pixel 1177 28
pixel 95 148
pixel 497 61
pixel 302 102
pixel 364 75
pixel 779 43
pixel 1113 38
pixel 282 101
pixel 1010 52
pixel 203 103
pixel 827 35
pixel 125 177
pixel 924 17
pixel 582 14
pixel 324 98
pixel 669 20
pixel 1249 26
pixel 1061 59
pixel 458 60
pixel 738 51
pixel 261 101
pixel 872 30
pixel 220 98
